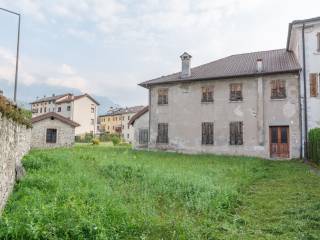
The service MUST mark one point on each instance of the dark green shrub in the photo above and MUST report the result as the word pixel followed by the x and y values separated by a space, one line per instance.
pixel 115 140
pixel 105 137
pixel 314 145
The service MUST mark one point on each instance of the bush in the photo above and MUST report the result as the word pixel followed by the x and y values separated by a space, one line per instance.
pixel 314 145
pixel 87 138
pixel 16 114
pixel 115 140
pixel 95 141
pixel 105 137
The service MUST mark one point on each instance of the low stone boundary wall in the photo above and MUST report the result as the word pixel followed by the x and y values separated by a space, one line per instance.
pixel 14 144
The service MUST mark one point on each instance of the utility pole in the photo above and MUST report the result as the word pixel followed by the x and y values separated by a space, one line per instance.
pixel 17 53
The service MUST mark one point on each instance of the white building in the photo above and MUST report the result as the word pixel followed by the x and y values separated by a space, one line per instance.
pixel 304 41
pixel 81 109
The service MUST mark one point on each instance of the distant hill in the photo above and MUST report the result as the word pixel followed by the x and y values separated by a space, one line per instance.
pixel 27 94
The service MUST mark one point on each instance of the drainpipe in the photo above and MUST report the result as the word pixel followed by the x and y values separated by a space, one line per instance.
pixel 149 133
pixel 300 116
pixel 305 94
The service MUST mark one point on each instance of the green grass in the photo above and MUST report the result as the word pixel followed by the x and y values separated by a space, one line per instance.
pixel 101 192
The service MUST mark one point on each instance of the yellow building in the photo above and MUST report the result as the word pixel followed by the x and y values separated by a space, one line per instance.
pixel 116 121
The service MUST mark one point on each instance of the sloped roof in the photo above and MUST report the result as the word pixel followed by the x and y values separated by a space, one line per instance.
pixel 55 116
pixel 274 61
pixel 120 111
pixel 46 99
pixel 138 115
pixel 72 98
pixel 308 20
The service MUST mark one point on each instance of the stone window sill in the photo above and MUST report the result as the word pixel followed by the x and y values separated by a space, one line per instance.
pixel 278 99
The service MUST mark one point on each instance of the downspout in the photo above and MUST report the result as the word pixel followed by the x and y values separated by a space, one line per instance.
pixel 305 94
pixel 300 116
pixel 149 133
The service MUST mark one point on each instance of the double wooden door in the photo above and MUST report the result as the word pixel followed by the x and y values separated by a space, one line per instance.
pixel 279 142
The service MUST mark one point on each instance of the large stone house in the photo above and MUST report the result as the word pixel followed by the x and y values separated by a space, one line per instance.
pixel 260 103
pixel 304 41
pixel 116 121
pixel 81 109
pixel 246 104
pixel 52 130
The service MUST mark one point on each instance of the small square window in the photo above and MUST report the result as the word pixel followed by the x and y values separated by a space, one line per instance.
pixel 51 135
pixel 236 92
pixel 69 108
pixel 163 96
pixel 207 94
pixel 278 89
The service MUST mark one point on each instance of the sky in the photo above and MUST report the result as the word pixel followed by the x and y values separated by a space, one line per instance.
pixel 107 47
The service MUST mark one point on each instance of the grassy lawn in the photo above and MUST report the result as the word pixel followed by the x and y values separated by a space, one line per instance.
pixel 101 192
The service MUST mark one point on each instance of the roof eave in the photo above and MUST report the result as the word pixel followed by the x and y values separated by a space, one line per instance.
pixel 147 85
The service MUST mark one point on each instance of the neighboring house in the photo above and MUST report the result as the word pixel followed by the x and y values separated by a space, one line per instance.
pixel 52 130
pixel 81 109
pixel 116 121
pixel 246 104
pixel 140 123
pixel 304 41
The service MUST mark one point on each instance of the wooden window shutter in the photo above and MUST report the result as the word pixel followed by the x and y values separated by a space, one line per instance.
pixel 318 41
pixel 313 85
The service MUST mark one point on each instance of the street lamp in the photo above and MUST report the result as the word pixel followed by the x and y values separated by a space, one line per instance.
pixel 17 57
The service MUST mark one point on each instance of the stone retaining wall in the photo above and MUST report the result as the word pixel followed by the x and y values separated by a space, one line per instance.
pixel 14 144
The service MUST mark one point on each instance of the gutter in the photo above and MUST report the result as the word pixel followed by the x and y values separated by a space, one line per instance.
pixel 305 93
pixel 147 85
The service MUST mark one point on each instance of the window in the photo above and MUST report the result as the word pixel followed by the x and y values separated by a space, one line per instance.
pixel 69 108
pixel 236 133
pixel 163 96
pixel 143 136
pixel 235 92
pixel 162 133
pixel 278 89
pixel 92 121
pixel 207 133
pixel 128 136
pixel 313 85
pixel 207 94
pixel 92 110
pixel 318 41
pixel 51 135
pixel 40 110
pixel 128 118
pixel 45 109
pixel 59 109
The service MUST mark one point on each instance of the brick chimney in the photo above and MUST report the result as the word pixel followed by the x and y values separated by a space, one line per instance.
pixel 185 65
pixel 259 65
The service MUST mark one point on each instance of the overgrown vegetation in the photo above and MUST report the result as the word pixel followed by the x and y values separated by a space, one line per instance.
pixel 314 145
pixel 18 115
pixel 96 192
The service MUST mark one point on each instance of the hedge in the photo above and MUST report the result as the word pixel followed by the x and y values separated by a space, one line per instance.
pixel 314 145
pixel 14 113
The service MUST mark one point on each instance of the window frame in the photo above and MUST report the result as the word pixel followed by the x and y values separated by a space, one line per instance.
pixel 318 42
pixel 316 78
pixel 236 137
pixel 207 133
pixel 143 136
pixel 233 93
pixel 275 93
pixel 207 94
pixel 163 96
pixel 51 135
pixel 163 133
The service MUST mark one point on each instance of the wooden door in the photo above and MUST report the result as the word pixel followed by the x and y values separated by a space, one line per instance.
pixel 279 142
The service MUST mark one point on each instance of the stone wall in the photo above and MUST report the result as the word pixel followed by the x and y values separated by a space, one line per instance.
pixel 14 144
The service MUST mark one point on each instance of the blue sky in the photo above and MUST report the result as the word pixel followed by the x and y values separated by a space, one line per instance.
pixel 106 47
